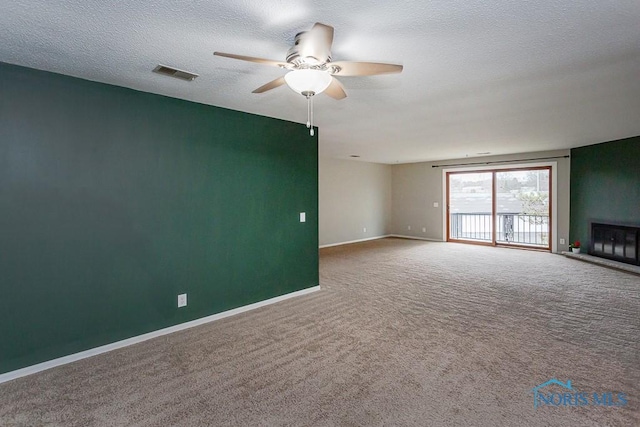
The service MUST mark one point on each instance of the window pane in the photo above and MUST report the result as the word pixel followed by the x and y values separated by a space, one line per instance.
pixel 522 207
pixel 470 206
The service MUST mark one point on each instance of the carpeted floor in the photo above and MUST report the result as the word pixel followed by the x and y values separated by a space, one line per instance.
pixel 402 333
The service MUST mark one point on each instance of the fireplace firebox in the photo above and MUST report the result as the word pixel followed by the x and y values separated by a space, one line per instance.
pixel 615 242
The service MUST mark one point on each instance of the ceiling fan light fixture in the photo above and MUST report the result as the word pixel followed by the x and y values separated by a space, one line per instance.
pixel 311 70
pixel 308 81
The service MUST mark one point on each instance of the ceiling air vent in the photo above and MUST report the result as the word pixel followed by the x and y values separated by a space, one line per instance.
pixel 174 72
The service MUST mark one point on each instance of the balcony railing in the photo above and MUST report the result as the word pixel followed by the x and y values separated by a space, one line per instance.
pixel 510 228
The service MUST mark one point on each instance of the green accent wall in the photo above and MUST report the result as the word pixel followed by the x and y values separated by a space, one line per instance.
pixel 113 202
pixel 605 186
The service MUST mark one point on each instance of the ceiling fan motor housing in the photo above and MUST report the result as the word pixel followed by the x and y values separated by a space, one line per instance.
pixel 306 52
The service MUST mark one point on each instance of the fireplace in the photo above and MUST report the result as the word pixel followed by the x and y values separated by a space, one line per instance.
pixel 616 242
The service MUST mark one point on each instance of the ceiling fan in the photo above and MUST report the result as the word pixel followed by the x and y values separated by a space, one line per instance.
pixel 311 70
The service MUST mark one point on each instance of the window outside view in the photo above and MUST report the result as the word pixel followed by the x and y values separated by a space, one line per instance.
pixel 521 208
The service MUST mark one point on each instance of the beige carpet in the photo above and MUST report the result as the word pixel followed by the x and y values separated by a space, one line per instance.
pixel 402 333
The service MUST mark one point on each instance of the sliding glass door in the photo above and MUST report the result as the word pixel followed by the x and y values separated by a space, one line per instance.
pixel 522 207
pixel 471 206
pixel 500 207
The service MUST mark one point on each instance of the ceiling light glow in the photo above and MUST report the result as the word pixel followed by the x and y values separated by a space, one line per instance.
pixel 308 81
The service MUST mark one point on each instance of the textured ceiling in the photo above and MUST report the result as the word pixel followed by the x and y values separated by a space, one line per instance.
pixel 479 76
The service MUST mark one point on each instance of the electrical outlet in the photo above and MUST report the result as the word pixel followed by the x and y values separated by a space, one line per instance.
pixel 562 241
pixel 182 300
pixel 408 227
pixel 303 217
pixel 364 229
pixel 424 229
pixel 436 204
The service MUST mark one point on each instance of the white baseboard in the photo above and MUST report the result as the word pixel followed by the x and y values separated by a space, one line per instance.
pixel 354 241
pixel 400 236
pixel 140 338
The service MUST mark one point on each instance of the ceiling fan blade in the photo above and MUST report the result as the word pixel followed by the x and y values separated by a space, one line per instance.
pixel 253 59
pixel 335 89
pixel 271 85
pixel 323 35
pixel 348 68
pixel 314 46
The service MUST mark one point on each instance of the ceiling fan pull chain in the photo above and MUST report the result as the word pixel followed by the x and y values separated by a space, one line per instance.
pixel 311 116
pixel 309 96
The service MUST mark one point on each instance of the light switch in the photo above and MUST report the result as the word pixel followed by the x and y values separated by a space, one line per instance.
pixel 303 216
pixel 182 300
pixel 436 204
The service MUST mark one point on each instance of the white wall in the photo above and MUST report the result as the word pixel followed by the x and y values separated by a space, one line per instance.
pixel 416 186
pixel 353 195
